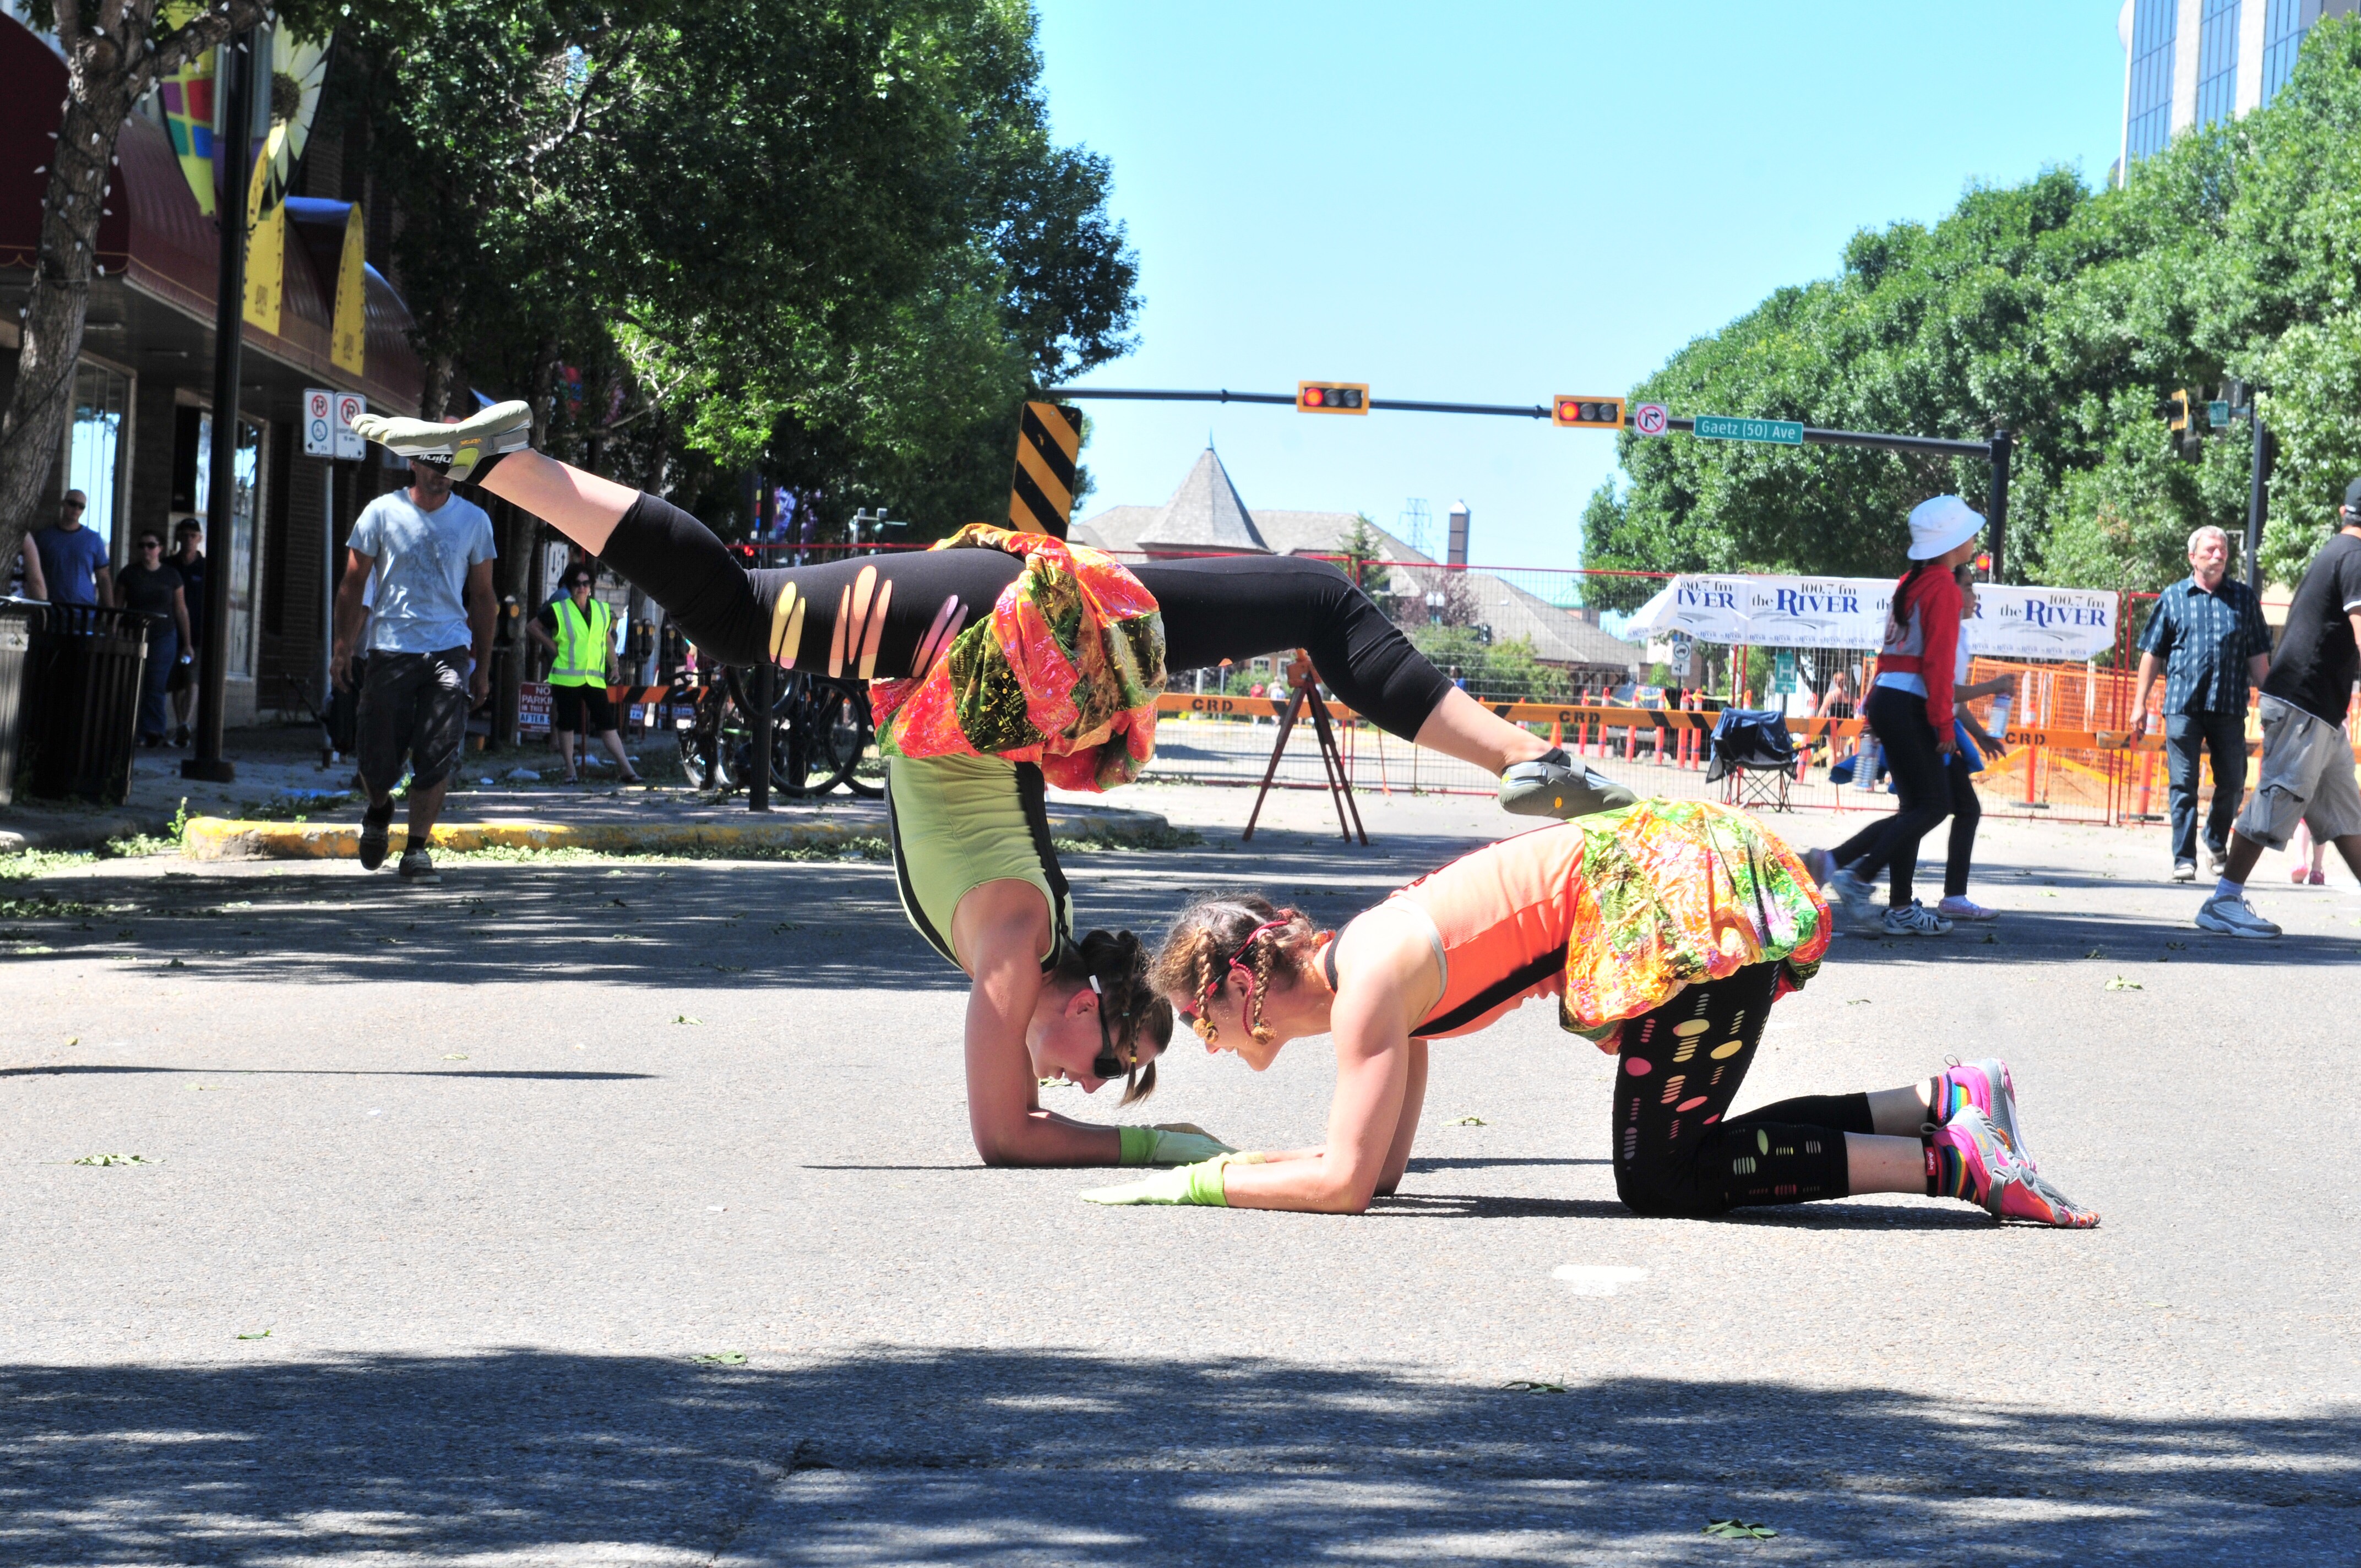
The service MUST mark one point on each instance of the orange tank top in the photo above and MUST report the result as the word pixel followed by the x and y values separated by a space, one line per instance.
pixel 1503 917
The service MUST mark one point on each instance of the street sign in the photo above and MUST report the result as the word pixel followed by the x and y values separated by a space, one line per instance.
pixel 350 406
pixel 1650 419
pixel 1777 432
pixel 1575 411
pixel 319 423
pixel 2217 414
pixel 1783 673
pixel 328 424
pixel 1332 397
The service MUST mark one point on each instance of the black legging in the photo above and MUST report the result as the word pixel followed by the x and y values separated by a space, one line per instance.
pixel 1890 844
pixel 1678 1069
pixel 1967 811
pixel 886 616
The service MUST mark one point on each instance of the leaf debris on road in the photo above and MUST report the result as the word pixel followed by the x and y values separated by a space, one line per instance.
pixel 723 1358
pixel 264 1334
pixel 1469 1121
pixel 1531 1386
pixel 685 1018
pixel 1739 1530
pixel 115 1160
pixel 2120 984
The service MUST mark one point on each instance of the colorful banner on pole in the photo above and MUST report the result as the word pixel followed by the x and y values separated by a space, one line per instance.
pixel 1849 612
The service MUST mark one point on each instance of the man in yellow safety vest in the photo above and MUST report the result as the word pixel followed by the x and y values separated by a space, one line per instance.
pixel 579 633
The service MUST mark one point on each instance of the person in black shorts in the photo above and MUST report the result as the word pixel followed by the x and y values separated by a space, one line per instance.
pixel 2306 770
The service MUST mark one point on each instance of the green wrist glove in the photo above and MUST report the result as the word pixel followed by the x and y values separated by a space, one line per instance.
pixel 1199 1184
pixel 1172 1143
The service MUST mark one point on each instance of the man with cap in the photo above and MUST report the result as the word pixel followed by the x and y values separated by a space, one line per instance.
pixel 1909 709
pixel 428 556
pixel 2307 769
pixel 2209 628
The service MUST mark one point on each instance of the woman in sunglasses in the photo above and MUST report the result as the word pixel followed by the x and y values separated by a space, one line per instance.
pixel 1664 931
pixel 1003 664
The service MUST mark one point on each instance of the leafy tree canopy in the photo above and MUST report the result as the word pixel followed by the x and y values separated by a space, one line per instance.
pixel 2062 314
pixel 834 242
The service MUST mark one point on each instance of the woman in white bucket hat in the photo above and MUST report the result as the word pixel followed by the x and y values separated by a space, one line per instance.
pixel 1910 710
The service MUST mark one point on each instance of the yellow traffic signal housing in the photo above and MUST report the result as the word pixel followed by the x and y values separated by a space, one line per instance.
pixel 1579 413
pixel 2175 410
pixel 1332 397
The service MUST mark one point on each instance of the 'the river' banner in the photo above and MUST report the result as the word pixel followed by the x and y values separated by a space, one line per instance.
pixel 1849 612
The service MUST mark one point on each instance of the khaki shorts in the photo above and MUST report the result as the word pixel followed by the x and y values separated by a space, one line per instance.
pixel 960 822
pixel 2307 776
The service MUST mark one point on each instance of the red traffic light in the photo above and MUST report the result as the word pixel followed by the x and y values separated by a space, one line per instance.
pixel 1332 397
pixel 1580 412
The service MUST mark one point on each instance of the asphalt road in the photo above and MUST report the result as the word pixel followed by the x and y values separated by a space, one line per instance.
pixel 446 1190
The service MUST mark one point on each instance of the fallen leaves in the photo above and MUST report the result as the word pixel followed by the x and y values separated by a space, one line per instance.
pixel 115 1160
pixel 722 1358
pixel 264 1334
pixel 1739 1530
pixel 2120 984
pixel 685 1018
pixel 1469 1121
pixel 1531 1386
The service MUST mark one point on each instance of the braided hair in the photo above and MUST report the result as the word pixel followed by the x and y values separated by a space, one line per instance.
pixel 1194 959
pixel 1135 1014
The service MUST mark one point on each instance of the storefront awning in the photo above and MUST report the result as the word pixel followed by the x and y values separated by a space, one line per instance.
pixel 155 244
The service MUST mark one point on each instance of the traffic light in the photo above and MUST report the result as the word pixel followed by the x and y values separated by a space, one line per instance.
pixel 1332 397
pixel 2175 410
pixel 1578 412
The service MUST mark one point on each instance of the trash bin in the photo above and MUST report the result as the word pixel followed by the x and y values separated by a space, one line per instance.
pixel 86 664
pixel 19 619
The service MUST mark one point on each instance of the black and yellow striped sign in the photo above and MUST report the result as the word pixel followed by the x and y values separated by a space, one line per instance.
pixel 1048 444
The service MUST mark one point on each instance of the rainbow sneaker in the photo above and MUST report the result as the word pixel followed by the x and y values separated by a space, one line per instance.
pixel 1986 1086
pixel 1967 1159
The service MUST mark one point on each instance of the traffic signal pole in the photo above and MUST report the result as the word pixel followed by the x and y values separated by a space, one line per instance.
pixel 1996 451
pixel 2258 500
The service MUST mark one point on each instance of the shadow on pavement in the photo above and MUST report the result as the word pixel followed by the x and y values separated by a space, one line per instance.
pixel 1004 1457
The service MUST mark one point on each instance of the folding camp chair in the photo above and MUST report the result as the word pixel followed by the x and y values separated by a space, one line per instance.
pixel 1751 748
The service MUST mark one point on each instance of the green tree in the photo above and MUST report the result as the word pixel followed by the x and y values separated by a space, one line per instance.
pixel 115 54
pixel 2062 314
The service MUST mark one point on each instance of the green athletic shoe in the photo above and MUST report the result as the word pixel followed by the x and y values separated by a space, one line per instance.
pixel 465 451
pixel 1555 785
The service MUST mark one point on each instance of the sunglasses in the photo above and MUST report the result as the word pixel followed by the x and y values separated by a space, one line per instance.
pixel 73 506
pixel 1106 1064
pixel 151 544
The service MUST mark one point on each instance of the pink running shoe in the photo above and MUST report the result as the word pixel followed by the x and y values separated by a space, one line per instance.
pixel 1966 1159
pixel 1986 1086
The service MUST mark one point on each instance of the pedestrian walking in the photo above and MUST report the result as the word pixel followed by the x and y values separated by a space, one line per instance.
pixel 427 554
pixel 2307 768
pixel 153 589
pixel 1664 931
pixel 2309 853
pixel 1910 712
pixel 188 560
pixel 74 558
pixel 1966 761
pixel 2207 635
pixel 967 645
pixel 577 630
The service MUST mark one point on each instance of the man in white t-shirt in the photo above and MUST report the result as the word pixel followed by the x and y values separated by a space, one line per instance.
pixel 427 554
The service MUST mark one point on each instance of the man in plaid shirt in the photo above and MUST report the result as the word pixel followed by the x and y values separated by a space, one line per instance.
pixel 2208 628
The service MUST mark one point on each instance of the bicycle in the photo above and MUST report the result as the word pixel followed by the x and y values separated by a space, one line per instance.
pixel 820 730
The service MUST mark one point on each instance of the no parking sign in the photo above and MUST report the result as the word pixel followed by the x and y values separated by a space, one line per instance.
pixel 328 424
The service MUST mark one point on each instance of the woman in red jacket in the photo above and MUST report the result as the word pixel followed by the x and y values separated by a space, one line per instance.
pixel 1910 710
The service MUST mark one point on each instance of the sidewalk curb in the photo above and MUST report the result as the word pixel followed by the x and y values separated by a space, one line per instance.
pixel 220 838
pixel 86 833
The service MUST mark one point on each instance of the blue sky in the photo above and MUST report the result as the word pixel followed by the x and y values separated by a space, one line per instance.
pixel 1497 203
